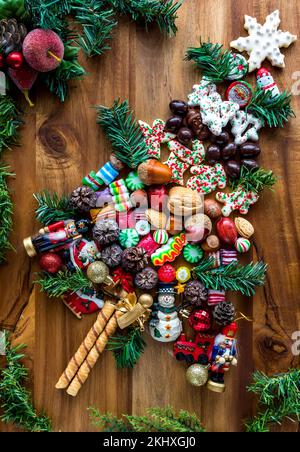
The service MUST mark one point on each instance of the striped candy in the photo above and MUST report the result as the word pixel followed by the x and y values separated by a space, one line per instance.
pixel 215 297
pixel 242 245
pixel 228 256
pixel 92 181
pixel 160 236
pixel 128 238
pixel 107 173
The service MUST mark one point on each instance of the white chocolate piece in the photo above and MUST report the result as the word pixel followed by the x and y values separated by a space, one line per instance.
pixel 240 127
pixel 264 41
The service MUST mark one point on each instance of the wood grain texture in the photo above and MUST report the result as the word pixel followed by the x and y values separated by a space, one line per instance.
pixel 61 143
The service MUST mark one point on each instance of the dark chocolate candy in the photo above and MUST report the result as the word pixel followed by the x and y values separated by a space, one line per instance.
pixel 229 151
pixel 178 107
pixel 249 163
pixel 249 150
pixel 232 169
pixel 173 124
pixel 213 154
pixel 184 135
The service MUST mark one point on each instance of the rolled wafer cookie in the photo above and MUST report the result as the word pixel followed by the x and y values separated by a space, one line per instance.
pixel 83 350
pixel 93 355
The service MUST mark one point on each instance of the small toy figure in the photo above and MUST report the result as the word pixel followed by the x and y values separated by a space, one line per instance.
pixel 266 82
pixel 56 236
pixel 82 253
pixel 223 356
pixel 165 325
pixel 84 301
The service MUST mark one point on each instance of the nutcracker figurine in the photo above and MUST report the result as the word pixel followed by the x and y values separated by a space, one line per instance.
pixel 223 356
pixel 56 236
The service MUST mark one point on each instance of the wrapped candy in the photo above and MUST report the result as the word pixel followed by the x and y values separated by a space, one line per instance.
pixel 169 251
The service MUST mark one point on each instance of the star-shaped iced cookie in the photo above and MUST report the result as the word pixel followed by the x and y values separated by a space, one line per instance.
pixel 264 41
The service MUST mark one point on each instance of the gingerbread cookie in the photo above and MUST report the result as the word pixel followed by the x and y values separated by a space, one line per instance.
pixel 193 156
pixel 178 169
pixel 240 200
pixel 155 136
pixel 207 178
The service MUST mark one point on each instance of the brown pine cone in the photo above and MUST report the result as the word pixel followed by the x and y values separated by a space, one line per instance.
pixel 195 294
pixel 83 199
pixel 106 231
pixel 134 259
pixel 147 279
pixel 224 313
pixel 112 255
pixel 12 35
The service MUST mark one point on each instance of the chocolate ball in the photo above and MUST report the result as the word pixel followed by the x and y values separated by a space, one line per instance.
pixel 229 151
pixel 213 154
pixel 178 107
pixel 249 150
pixel 221 139
pixel 184 135
pixel 204 133
pixel 193 120
pixel 250 164
pixel 173 124
pixel 232 169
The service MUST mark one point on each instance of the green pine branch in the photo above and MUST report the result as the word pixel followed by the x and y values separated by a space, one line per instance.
pixel 52 208
pixel 13 9
pixel 155 420
pixel 215 63
pixel 62 282
pixel 127 347
pixel 124 133
pixel 69 69
pixel 254 179
pixel 97 25
pixel 6 212
pixel 279 398
pixel 275 111
pixel 10 120
pixel 239 278
pixel 15 399
pixel 163 13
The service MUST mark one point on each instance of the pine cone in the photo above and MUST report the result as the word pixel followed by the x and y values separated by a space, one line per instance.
pixel 134 259
pixel 147 279
pixel 195 294
pixel 12 35
pixel 106 231
pixel 112 255
pixel 224 313
pixel 83 199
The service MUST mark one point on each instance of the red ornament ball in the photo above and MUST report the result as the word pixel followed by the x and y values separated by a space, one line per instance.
pixel 15 60
pixel 167 273
pixel 50 262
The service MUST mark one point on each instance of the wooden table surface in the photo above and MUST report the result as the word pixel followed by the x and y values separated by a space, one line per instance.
pixel 62 143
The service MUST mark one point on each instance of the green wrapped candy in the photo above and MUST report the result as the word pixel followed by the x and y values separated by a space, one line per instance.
pixel 193 253
pixel 133 181
pixel 129 238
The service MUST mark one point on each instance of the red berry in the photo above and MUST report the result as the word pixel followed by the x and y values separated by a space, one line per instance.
pixel 15 60
pixel 51 262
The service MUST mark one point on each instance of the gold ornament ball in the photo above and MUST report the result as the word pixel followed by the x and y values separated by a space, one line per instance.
pixel 197 375
pixel 97 272
pixel 146 300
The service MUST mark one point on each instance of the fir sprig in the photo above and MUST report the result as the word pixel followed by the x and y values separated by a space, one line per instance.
pixel 10 120
pixel 275 111
pixel 127 347
pixel 240 278
pixel 254 179
pixel 52 208
pixel 62 282
pixel 6 211
pixel 69 69
pixel 215 63
pixel 155 420
pixel 124 133
pixel 279 398
pixel 15 399
pixel 97 25
pixel 164 13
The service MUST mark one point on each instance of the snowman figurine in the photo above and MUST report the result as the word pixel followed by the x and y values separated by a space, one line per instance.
pixel 266 82
pixel 165 325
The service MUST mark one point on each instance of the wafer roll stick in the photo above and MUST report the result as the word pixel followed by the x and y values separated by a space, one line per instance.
pixel 93 355
pixel 90 340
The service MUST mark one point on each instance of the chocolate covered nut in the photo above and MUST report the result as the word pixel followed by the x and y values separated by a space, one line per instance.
pixel 185 135
pixel 173 124
pixel 249 164
pixel 178 107
pixel 232 169
pixel 229 151
pixel 213 154
pixel 249 150
pixel 221 139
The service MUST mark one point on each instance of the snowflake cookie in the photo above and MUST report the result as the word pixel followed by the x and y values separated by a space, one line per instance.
pixel 264 41
pixel 207 179
pixel 241 127
pixel 155 136
pixel 240 200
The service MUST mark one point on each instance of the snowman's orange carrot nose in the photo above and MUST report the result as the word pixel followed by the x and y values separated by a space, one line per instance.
pixel 54 56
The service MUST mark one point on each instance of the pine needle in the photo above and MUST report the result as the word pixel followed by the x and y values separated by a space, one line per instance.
pixel 15 399
pixel 6 212
pixel 124 133
pixel 254 180
pixel 63 282
pixel 275 111
pixel 279 398
pixel 155 420
pixel 52 208
pixel 10 120
pixel 127 348
pixel 233 277
pixel 216 65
